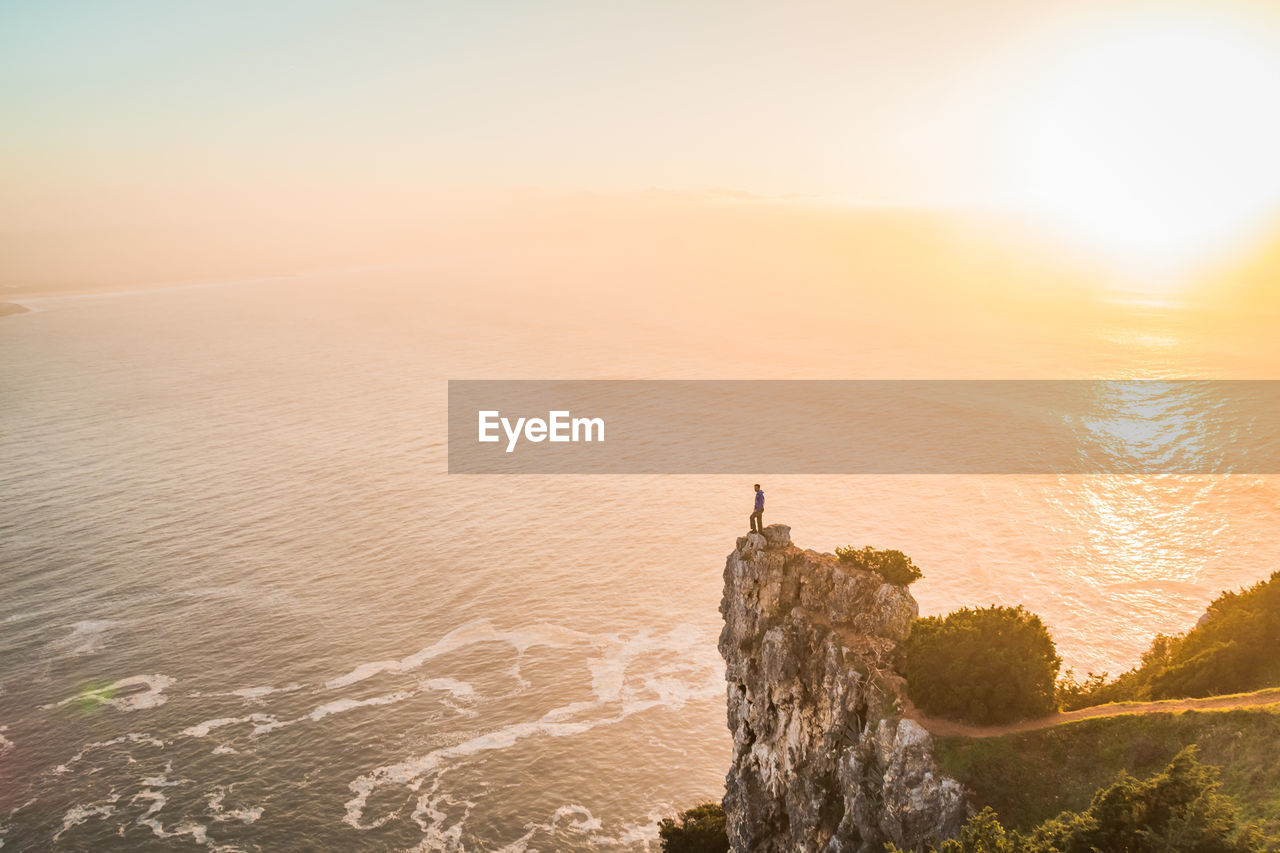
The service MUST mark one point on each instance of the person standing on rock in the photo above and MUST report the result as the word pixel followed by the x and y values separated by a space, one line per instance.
pixel 757 517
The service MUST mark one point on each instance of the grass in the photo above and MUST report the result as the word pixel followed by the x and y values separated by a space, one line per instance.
pixel 1031 776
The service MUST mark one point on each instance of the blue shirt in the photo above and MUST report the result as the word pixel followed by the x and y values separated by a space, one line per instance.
pixel 760 501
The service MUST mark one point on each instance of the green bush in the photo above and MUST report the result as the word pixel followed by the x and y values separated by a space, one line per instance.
pixel 1177 811
pixel 982 833
pixel 894 566
pixel 1230 652
pixel 1074 694
pixel 700 830
pixel 990 665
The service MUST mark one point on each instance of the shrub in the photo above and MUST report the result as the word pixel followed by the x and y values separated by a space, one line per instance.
pixel 894 566
pixel 1177 811
pixel 981 834
pixel 1074 694
pixel 990 665
pixel 1229 652
pixel 700 830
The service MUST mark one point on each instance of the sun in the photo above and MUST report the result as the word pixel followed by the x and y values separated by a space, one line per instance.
pixel 1159 143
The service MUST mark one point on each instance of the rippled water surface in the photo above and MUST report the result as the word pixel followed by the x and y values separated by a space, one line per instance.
pixel 244 607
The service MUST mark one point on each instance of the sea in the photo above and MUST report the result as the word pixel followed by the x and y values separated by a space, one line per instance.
pixel 244 607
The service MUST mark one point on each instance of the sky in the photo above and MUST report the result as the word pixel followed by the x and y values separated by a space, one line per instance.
pixel 773 98
pixel 1103 117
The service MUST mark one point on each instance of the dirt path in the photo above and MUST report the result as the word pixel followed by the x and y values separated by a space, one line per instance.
pixel 949 728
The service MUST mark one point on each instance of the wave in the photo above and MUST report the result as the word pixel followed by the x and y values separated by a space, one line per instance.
pixel 588 825
pixel 623 676
pixel 78 814
pixel 339 706
pixel 152 796
pixel 471 633
pixel 254 694
pixel 162 781
pixel 203 729
pixel 89 635
pixel 197 831
pixel 266 723
pixel 151 697
pixel 413 771
pixel 453 686
pixel 616 686
pixel 131 737
pixel 215 799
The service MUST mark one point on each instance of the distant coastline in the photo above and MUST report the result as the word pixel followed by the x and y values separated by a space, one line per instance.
pixel 20 296
pixel 29 301
pixel 16 300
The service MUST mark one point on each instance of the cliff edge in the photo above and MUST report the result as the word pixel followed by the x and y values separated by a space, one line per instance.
pixel 822 758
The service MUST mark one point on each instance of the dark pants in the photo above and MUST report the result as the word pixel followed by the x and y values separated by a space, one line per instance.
pixel 757 521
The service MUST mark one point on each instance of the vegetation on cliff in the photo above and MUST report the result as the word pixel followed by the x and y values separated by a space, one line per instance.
pixel 989 665
pixel 839 764
pixel 894 566
pixel 1029 777
pixel 1179 810
pixel 1232 650
pixel 700 829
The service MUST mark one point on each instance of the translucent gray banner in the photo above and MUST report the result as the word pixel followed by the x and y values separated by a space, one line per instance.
pixel 1134 427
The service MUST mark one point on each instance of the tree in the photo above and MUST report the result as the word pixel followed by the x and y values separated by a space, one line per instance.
pixel 894 566
pixel 989 665
pixel 1179 810
pixel 1230 651
pixel 701 829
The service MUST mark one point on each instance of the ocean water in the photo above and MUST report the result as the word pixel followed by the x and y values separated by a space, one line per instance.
pixel 245 608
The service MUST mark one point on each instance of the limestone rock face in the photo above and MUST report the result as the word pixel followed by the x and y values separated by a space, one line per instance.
pixel 822 759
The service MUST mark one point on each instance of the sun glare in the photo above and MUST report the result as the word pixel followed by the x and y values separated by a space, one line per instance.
pixel 1158 143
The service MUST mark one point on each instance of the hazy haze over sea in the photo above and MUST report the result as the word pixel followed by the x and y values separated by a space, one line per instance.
pixel 245 607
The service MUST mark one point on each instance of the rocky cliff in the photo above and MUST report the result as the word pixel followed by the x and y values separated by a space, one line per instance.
pixel 822 758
